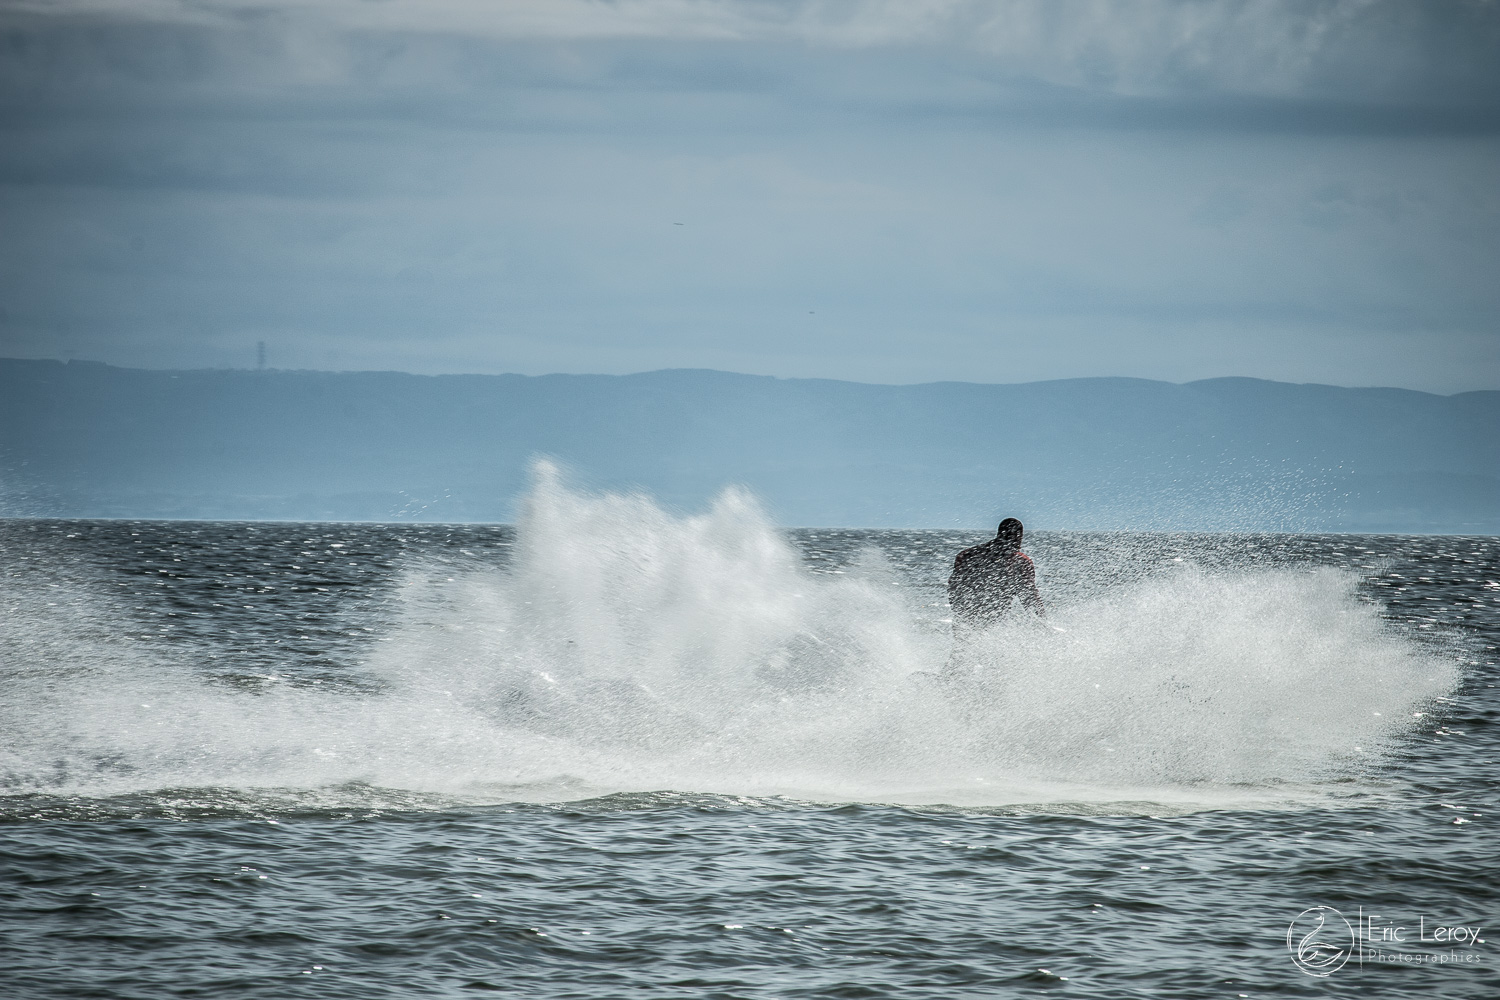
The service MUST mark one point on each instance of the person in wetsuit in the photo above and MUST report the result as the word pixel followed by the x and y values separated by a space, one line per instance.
pixel 987 579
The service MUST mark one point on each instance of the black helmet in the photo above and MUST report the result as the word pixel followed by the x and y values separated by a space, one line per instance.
pixel 1010 530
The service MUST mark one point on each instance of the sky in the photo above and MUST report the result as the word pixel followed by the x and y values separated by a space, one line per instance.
pixel 912 191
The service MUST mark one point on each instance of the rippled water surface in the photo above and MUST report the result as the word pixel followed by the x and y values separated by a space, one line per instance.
pixel 612 751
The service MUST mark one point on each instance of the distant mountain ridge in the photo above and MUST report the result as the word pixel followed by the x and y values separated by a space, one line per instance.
pixel 86 439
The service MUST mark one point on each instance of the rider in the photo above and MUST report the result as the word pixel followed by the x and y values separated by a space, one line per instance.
pixel 987 578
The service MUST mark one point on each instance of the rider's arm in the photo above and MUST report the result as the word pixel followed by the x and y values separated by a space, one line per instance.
pixel 1030 595
pixel 958 564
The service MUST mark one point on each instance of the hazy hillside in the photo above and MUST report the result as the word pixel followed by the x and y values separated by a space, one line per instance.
pixel 90 440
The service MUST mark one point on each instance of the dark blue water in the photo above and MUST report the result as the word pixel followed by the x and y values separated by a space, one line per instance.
pixel 704 758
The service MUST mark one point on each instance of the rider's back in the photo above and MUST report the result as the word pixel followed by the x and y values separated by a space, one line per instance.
pixel 987 579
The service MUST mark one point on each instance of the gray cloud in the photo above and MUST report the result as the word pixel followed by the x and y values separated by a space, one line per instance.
pixel 1435 54
pixel 893 191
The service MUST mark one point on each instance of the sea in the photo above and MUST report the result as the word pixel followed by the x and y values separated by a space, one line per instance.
pixel 617 750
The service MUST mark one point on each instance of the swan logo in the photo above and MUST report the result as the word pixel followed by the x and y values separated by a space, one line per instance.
pixel 1320 940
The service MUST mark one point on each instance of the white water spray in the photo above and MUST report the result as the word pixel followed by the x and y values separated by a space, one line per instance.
pixel 627 649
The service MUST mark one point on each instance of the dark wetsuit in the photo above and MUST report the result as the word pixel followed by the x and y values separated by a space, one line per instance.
pixel 986 579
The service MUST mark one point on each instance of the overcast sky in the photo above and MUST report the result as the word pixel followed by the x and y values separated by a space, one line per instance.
pixel 904 191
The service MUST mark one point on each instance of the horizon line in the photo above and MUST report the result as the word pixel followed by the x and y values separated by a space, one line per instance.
pixel 723 371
